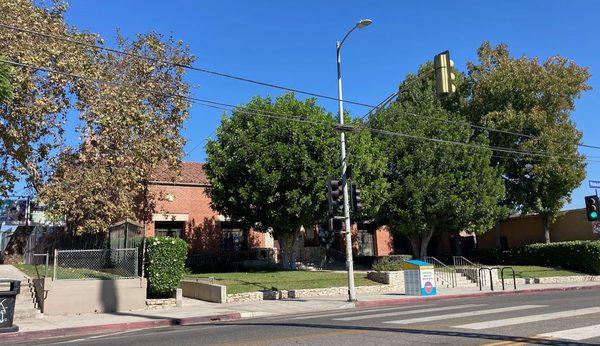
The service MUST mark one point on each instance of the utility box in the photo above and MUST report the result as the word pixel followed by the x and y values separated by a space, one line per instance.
pixel 419 278
pixel 7 305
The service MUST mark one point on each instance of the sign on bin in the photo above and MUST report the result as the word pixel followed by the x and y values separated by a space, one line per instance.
pixel 428 282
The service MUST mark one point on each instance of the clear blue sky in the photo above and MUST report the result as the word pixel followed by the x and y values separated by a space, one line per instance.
pixel 293 43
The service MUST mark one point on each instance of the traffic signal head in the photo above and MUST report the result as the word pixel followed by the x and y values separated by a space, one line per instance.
pixel 356 199
pixel 335 196
pixel 444 78
pixel 592 206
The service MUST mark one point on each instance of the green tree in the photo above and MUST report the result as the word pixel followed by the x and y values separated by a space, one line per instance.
pixel 271 173
pixel 527 96
pixel 434 187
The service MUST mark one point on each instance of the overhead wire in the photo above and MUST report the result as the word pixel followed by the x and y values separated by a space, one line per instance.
pixel 226 75
pixel 220 105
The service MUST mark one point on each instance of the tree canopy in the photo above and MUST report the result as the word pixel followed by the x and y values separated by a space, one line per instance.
pixel 129 113
pixel 434 187
pixel 536 99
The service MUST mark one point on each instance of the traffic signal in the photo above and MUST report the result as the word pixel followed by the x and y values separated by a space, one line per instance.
pixel 444 78
pixel 356 199
pixel 592 206
pixel 335 196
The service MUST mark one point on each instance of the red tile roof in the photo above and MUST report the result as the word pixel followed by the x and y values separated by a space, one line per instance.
pixel 190 172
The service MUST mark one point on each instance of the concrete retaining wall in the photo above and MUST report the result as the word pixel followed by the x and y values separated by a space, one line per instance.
pixel 84 296
pixel 204 291
pixel 394 278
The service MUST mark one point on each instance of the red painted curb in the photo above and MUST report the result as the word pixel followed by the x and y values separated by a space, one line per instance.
pixel 386 302
pixel 115 327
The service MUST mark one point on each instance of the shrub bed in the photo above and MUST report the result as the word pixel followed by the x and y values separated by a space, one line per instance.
pixel 165 265
pixel 388 264
pixel 581 256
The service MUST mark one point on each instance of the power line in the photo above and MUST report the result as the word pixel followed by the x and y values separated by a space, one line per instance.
pixel 186 66
pixel 220 105
pixel 276 86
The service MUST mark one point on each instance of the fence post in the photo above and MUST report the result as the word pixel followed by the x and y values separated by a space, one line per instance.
pixel 47 260
pixel 136 263
pixel 55 264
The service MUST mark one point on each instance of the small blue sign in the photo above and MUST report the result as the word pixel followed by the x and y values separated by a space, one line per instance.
pixel 595 184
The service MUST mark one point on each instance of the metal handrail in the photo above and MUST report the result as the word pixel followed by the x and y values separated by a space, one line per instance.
pixel 442 271
pixel 46 264
pixel 466 267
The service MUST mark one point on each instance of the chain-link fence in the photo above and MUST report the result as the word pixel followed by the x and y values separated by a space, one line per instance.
pixel 105 264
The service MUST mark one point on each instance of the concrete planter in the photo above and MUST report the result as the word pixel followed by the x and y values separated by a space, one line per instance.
pixel 204 290
pixel 394 278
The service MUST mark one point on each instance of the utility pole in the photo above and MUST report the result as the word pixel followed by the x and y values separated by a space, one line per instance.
pixel 348 233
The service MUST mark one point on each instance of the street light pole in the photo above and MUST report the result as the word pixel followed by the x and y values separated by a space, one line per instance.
pixel 349 262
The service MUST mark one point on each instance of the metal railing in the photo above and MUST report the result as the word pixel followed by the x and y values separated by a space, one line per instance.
pixel 466 267
pixel 39 260
pixel 442 271
pixel 103 264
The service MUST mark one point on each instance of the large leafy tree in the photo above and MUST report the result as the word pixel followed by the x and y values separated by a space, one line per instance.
pixel 31 125
pixel 132 126
pixel 536 99
pixel 129 112
pixel 270 173
pixel 434 187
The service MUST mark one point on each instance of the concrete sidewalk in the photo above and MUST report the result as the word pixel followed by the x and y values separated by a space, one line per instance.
pixel 195 311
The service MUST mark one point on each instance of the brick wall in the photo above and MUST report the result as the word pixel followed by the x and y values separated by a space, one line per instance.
pixel 202 229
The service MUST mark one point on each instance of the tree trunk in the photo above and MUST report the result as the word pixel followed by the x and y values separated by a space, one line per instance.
pixel 288 249
pixel 546 221
pixel 419 243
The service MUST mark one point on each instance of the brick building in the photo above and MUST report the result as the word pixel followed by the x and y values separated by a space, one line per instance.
pixel 180 207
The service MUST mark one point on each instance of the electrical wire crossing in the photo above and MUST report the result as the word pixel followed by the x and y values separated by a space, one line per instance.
pixel 220 105
pixel 373 109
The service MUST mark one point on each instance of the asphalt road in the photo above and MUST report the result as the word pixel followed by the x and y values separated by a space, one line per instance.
pixel 553 318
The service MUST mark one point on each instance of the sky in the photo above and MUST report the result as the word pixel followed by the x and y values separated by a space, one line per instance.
pixel 292 43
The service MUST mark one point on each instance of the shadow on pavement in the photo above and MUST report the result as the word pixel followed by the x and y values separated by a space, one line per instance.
pixel 471 335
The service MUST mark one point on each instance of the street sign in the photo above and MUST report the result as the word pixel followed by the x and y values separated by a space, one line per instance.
pixel 595 184
pixel 596 227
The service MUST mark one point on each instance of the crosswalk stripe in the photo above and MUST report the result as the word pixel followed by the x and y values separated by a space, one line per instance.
pixel 465 314
pixel 575 333
pixel 409 312
pixel 354 312
pixel 529 319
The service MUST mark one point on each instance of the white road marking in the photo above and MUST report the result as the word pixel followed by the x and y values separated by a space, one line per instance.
pixel 409 312
pixel 530 318
pixel 354 312
pixel 465 314
pixel 575 334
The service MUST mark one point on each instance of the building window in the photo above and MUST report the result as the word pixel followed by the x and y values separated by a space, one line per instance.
pixel 172 229
pixel 232 237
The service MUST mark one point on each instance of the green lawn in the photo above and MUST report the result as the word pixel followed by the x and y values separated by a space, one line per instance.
pixel 538 272
pixel 282 280
pixel 65 273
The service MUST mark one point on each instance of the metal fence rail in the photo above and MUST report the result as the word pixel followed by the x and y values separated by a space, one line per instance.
pixel 442 271
pixel 104 264
pixel 41 262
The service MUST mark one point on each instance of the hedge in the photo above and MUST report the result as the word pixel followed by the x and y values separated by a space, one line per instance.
pixel 165 265
pixel 581 256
